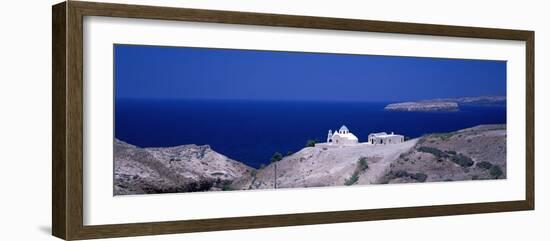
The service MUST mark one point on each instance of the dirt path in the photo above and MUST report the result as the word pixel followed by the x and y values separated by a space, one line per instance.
pixel 381 158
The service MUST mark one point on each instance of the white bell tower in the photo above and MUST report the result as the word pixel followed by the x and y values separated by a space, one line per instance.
pixel 329 137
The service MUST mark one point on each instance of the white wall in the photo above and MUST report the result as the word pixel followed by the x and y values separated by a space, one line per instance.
pixel 25 122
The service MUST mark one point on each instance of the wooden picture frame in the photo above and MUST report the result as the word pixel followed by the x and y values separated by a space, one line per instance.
pixel 67 149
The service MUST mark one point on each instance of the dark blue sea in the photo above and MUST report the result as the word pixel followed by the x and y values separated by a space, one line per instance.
pixel 251 131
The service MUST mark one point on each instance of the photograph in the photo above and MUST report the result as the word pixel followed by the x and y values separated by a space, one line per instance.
pixel 191 119
pixel 274 120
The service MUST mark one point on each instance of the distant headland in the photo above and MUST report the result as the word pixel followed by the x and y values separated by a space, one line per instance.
pixel 446 104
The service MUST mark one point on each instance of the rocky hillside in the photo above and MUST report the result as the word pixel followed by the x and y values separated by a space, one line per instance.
pixel 318 166
pixel 470 154
pixel 184 168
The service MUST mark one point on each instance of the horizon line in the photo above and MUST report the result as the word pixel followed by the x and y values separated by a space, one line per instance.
pixel 294 100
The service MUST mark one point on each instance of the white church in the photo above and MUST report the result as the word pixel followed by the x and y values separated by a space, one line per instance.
pixel 343 137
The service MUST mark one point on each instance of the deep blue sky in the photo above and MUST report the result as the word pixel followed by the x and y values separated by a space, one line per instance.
pixel 202 73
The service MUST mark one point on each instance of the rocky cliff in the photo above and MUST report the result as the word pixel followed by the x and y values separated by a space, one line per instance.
pixel 186 168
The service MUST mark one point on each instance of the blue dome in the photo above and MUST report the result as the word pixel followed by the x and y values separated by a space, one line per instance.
pixel 344 128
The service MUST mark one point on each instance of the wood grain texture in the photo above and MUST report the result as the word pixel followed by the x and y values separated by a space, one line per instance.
pixel 280 20
pixel 67 149
pixel 121 230
pixel 59 192
pixel 530 120
pixel 74 110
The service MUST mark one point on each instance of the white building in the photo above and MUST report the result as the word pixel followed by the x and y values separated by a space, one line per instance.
pixel 342 137
pixel 383 138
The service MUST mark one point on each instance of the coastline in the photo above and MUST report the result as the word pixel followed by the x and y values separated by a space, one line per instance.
pixel 189 168
pixel 252 131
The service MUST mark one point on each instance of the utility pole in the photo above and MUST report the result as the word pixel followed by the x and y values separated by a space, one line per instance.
pixel 275 176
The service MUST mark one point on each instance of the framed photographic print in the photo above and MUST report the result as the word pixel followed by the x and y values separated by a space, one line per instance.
pixel 171 120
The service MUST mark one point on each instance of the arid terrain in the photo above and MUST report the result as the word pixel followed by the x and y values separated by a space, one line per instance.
pixel 318 167
pixel 470 154
pixel 186 168
pixel 475 153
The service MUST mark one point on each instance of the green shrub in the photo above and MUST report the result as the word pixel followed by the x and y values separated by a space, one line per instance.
pixel 484 165
pixel 227 187
pixel 451 152
pixel 444 136
pixel 434 151
pixel 421 177
pixel 401 174
pixel 276 157
pixel 311 143
pixel 362 164
pixel 495 171
pixel 353 179
pixel 289 153
pixel 462 160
